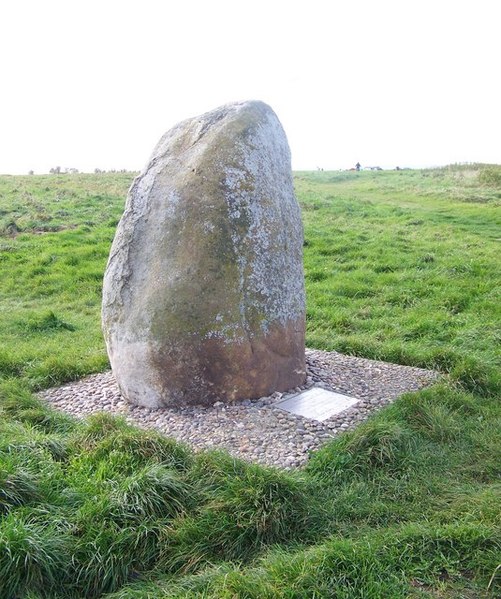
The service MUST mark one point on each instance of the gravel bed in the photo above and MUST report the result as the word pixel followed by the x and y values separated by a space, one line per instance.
pixel 257 430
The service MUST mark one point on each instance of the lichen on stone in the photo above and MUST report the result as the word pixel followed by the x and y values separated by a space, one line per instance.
pixel 206 266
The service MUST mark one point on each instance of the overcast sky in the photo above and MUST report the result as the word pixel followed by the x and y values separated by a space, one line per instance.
pixel 95 83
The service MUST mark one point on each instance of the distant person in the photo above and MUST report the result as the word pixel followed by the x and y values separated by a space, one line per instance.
pixel 358 166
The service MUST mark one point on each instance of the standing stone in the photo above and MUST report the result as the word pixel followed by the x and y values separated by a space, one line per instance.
pixel 203 296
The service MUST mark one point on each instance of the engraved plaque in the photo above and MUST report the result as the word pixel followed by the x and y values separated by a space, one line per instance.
pixel 317 403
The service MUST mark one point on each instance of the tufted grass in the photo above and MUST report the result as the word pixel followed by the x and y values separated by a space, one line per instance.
pixel 401 266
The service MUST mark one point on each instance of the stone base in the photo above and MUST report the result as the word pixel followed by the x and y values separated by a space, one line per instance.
pixel 211 369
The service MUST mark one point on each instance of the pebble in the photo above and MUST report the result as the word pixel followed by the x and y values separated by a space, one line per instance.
pixel 255 429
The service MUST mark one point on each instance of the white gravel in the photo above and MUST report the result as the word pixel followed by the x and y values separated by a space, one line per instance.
pixel 256 430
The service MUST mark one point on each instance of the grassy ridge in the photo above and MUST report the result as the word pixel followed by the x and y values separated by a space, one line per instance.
pixel 400 266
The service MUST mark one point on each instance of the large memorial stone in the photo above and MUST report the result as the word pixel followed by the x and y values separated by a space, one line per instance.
pixel 203 294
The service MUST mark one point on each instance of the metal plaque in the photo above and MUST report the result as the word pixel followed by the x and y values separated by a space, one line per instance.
pixel 317 403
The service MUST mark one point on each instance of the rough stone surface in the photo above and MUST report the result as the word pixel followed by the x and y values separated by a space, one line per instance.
pixel 203 295
pixel 257 430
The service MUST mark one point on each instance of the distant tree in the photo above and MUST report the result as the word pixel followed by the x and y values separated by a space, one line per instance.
pixel 56 170
pixel 31 172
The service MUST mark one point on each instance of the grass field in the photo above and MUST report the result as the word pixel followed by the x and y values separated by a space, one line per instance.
pixel 402 266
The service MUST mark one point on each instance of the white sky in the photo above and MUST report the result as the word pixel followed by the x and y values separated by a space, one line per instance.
pixel 95 83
